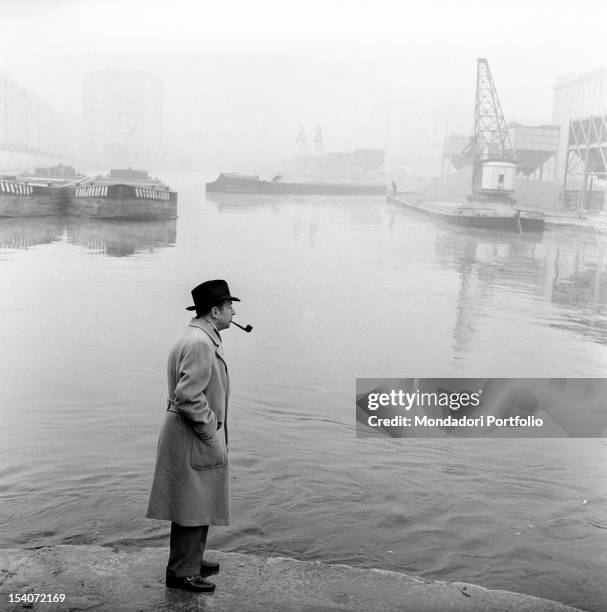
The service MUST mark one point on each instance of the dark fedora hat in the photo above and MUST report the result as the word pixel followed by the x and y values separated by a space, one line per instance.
pixel 209 293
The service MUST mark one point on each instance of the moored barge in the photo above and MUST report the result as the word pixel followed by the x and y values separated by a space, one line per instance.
pixel 45 192
pixel 234 182
pixel 124 194
pixel 487 215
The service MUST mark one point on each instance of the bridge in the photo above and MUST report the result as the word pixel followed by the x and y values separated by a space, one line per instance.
pixel 17 148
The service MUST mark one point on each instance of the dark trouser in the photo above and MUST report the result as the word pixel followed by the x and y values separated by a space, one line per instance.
pixel 187 548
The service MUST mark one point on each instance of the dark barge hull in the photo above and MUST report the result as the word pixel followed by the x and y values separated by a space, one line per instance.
pixel 22 200
pixel 279 188
pixel 120 201
pixel 485 219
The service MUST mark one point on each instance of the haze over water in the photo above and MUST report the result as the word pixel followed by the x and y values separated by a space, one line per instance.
pixel 336 288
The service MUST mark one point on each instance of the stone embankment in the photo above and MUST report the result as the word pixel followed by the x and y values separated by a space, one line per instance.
pixel 104 579
pixel 593 223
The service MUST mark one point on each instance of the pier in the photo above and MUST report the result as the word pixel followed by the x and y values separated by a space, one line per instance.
pixel 112 580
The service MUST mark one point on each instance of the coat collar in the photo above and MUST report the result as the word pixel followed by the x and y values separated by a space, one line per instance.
pixel 208 328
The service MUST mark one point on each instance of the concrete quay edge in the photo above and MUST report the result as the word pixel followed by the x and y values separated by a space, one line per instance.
pixel 106 579
pixel 594 224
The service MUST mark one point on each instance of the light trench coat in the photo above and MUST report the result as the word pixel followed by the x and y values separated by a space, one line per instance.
pixel 191 480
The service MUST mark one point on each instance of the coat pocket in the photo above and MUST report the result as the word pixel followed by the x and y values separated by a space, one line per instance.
pixel 210 453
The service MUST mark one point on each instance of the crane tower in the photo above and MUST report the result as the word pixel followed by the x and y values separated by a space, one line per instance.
pixel 318 142
pixel 302 141
pixel 493 168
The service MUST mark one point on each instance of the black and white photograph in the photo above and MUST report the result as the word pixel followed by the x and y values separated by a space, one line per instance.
pixel 303 306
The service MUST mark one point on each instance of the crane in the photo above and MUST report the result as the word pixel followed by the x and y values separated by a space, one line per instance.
pixel 302 141
pixel 318 142
pixel 493 167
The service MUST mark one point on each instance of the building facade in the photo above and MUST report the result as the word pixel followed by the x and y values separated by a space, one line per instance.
pixel 122 118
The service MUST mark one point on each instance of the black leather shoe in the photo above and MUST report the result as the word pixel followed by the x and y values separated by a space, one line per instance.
pixel 207 568
pixel 190 583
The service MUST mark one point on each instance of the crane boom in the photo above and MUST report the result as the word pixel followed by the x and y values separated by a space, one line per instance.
pixel 491 136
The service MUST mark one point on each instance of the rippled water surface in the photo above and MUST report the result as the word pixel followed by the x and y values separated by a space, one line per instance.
pixel 336 288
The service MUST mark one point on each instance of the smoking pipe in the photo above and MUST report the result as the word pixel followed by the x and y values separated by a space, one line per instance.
pixel 248 328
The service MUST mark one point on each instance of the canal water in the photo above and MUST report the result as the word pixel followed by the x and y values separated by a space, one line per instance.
pixel 336 288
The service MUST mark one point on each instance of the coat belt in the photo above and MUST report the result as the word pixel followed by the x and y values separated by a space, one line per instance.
pixel 171 408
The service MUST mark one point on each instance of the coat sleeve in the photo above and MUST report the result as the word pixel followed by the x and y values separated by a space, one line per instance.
pixel 194 376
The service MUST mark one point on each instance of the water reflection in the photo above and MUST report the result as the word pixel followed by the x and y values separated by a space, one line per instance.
pixel 121 238
pixel 579 284
pixel 242 202
pixel 114 238
pixel 570 271
pixel 23 233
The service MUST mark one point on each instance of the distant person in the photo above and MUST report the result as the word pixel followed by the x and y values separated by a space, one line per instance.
pixel 191 480
pixel 393 188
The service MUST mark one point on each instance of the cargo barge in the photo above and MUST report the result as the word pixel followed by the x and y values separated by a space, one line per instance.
pixel 46 192
pixel 487 215
pixel 233 182
pixel 124 194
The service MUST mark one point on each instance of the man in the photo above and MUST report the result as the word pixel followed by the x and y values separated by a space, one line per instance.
pixel 191 480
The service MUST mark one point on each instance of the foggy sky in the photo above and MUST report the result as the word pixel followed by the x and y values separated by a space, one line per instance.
pixel 241 77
